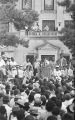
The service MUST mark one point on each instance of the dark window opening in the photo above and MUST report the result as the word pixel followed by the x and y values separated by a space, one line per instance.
pixel 48 25
pixel 26 4
pixel 48 4
pixel 48 57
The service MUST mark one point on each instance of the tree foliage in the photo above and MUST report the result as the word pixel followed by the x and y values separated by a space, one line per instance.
pixel 68 38
pixel 8 1
pixel 21 19
pixel 65 3
pixel 69 33
pixel 7 39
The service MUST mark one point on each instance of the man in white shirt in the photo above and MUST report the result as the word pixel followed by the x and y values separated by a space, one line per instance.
pixel 64 71
pixel 57 73
pixel 70 72
pixel 20 72
pixel 27 63
pixel 46 62
pixel 8 109
pixel 13 72
pixel 2 62
pixel 36 67
pixel 12 62
pixel 68 101
pixel 62 61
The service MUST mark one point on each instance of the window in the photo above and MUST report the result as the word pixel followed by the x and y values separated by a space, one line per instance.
pixel 48 25
pixel 48 4
pixel 26 4
pixel 68 23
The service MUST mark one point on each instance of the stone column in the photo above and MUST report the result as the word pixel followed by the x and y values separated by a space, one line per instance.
pixel 42 4
pixel 33 4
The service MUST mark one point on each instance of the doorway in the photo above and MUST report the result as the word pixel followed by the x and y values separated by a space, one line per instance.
pixel 48 57
pixel 31 58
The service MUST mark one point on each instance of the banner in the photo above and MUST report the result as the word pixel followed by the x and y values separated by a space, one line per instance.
pixel 46 72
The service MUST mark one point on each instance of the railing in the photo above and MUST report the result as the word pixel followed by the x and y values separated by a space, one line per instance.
pixel 49 11
pixel 42 33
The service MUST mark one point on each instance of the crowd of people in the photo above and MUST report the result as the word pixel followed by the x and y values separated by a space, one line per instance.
pixel 24 95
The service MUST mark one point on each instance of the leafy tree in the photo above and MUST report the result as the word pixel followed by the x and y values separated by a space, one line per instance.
pixel 69 32
pixel 22 20
pixel 7 39
pixel 65 3
pixel 8 1
pixel 68 38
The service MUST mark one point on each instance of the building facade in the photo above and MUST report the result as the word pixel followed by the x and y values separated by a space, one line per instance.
pixel 43 43
pixel 50 13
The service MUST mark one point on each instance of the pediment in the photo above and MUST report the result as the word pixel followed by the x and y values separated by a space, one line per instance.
pixel 48 47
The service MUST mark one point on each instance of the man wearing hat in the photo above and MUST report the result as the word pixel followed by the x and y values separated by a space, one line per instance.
pixel 3 66
pixel 13 72
pixel 62 61
pixel 7 107
pixel 2 88
pixel 12 62
pixel 2 62
pixel 70 72
pixel 64 71
pixel 71 109
pixel 57 73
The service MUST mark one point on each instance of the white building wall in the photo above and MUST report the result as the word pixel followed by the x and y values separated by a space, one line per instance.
pixel 58 14
pixel 45 15
pixel 67 16
pixel 38 5
pixel 19 5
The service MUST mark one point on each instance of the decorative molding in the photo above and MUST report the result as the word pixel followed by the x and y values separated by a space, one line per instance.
pixel 49 11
